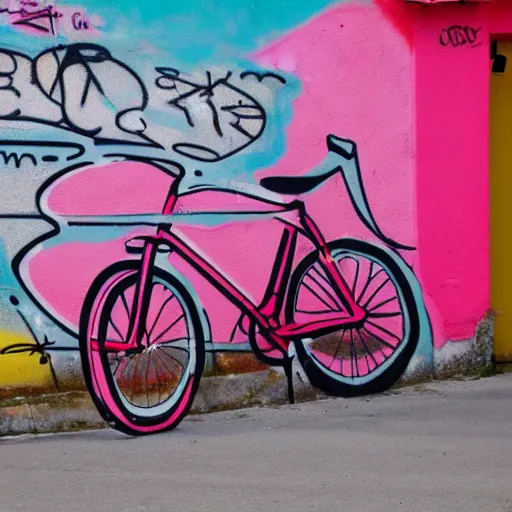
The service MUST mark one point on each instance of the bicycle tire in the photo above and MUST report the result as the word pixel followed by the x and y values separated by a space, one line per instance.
pixel 105 391
pixel 347 386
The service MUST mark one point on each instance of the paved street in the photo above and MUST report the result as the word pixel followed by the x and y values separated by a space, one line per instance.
pixel 438 447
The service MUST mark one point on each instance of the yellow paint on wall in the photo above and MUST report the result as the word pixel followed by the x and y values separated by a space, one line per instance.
pixel 21 370
pixel 501 205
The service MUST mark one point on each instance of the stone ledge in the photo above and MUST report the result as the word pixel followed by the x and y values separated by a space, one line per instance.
pixel 74 410
pixel 70 411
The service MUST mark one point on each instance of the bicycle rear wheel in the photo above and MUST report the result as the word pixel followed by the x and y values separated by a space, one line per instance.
pixel 151 389
pixel 367 358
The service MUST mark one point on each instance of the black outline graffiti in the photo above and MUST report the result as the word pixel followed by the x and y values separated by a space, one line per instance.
pixel 83 54
pixel 239 111
pixel 87 54
pixel 296 185
pixel 260 76
pixel 80 149
pixel 20 216
pixel 54 231
pixel 42 349
pixel 18 159
pixel 10 86
pixel 459 35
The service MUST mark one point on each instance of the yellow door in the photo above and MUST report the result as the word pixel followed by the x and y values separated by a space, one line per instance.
pixel 501 205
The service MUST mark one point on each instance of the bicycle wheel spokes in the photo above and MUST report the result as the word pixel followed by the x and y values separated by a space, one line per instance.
pixel 351 268
pixel 149 378
pixel 356 352
pixel 374 285
pixel 119 319
pixel 316 295
pixel 151 375
pixel 341 352
pixel 160 308
pixel 332 350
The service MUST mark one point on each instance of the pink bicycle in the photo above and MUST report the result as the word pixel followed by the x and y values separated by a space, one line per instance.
pixel 352 309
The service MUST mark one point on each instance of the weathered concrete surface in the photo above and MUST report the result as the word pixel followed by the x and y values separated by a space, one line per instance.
pixel 465 357
pixel 224 386
pixel 71 411
pixel 443 446
pixel 74 410
pixel 61 412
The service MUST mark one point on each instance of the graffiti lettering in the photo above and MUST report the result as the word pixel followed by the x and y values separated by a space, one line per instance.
pixel 17 159
pixel 31 15
pixel 262 76
pixel 458 35
pixel 38 18
pixel 80 22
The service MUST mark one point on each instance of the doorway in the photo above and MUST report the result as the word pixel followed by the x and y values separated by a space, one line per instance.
pixel 501 197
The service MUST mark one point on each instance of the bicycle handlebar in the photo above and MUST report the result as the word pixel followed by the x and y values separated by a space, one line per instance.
pixel 351 173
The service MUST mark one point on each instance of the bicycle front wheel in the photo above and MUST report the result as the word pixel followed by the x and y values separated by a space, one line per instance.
pixel 367 358
pixel 151 389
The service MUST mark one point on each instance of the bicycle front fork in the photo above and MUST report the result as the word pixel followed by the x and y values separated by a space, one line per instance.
pixel 142 298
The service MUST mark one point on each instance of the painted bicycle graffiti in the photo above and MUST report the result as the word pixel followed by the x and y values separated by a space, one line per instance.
pixel 351 311
pixel 349 307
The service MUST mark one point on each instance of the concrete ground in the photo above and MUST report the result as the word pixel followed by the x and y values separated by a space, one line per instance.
pixel 444 446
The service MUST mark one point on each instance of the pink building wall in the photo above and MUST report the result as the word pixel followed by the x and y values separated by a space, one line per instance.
pixel 451 108
pixel 408 84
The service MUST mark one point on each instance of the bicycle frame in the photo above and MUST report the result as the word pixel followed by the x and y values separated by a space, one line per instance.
pixel 266 314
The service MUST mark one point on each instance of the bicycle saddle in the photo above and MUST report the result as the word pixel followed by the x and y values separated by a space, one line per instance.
pixel 295 185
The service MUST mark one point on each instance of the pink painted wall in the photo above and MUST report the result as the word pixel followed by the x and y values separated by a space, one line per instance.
pixel 451 101
pixel 384 74
pixel 452 98
pixel 356 71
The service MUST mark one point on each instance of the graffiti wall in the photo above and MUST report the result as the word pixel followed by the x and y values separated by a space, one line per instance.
pixel 186 183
